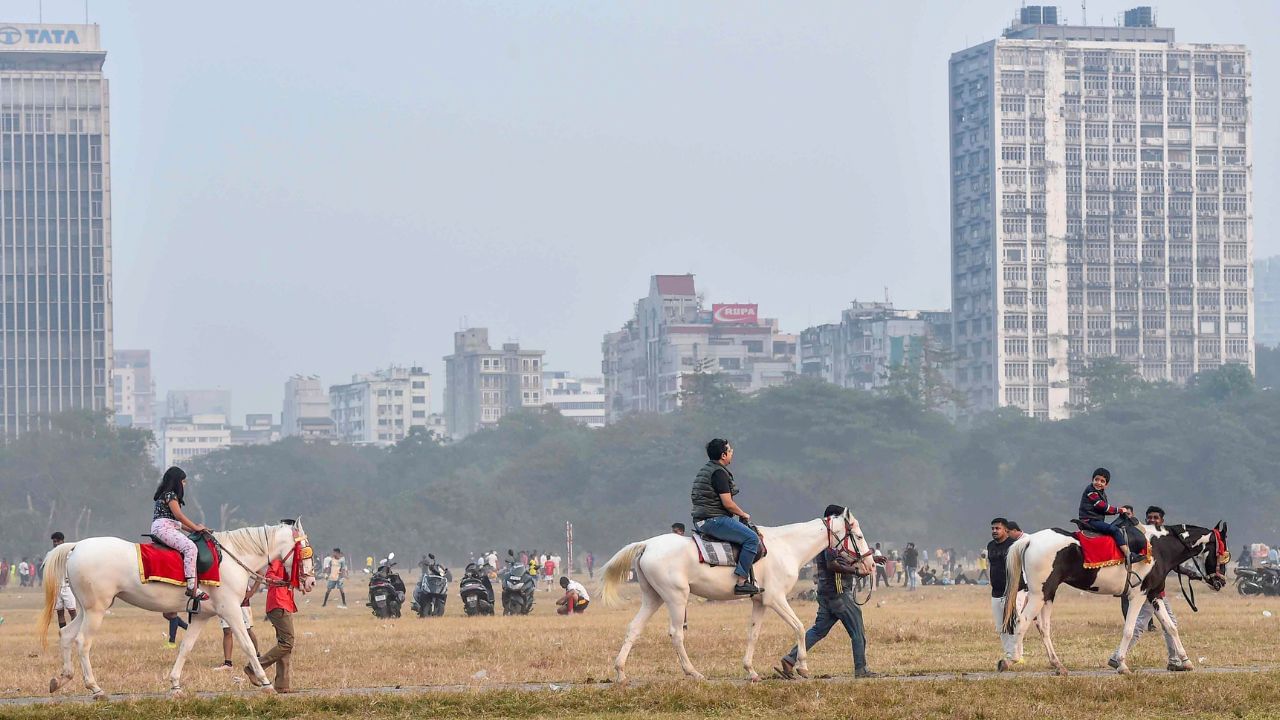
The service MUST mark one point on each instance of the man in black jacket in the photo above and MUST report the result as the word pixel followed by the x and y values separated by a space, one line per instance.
pixel 997 554
pixel 835 580
pixel 910 561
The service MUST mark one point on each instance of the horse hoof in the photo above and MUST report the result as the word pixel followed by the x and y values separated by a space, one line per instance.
pixel 1003 665
pixel 1061 671
pixel 177 693
pixel 1124 669
pixel 697 676
pixel 99 696
pixel 54 685
pixel 753 677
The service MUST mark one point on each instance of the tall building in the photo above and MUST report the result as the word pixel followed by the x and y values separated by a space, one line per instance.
pixel 671 336
pixel 1101 206
pixel 134 389
pixel 306 408
pixel 382 407
pixel 55 224
pixel 1266 298
pixel 871 339
pixel 185 403
pixel 579 399
pixel 482 383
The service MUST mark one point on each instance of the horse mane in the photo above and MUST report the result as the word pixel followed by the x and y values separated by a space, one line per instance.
pixel 247 540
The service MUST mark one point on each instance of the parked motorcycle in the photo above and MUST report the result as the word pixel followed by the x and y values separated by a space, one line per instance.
pixel 432 590
pixel 517 587
pixel 1263 580
pixel 476 591
pixel 386 590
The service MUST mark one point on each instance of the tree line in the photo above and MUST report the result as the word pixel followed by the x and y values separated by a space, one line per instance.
pixel 1205 452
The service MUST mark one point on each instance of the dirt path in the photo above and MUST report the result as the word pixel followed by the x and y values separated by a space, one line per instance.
pixel 557 687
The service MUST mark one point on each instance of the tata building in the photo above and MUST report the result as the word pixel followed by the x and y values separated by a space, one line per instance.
pixel 55 225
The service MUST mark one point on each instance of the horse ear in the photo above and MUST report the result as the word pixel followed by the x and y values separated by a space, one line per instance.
pixel 1217 525
pixel 1224 527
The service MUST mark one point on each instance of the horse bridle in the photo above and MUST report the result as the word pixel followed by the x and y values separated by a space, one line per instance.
pixel 1223 556
pixel 847 549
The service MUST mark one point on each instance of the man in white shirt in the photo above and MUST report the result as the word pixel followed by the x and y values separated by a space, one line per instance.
pixel 66 602
pixel 575 600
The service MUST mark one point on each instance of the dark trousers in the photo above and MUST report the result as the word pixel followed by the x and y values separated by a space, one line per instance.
pixel 1106 528
pixel 831 610
pixel 279 655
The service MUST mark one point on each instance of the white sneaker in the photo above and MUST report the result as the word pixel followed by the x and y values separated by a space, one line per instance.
pixel 223 666
pixel 342 607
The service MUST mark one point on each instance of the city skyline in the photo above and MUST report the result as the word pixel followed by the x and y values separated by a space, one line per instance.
pixel 703 140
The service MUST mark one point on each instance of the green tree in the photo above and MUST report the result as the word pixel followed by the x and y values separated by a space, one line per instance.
pixel 1109 380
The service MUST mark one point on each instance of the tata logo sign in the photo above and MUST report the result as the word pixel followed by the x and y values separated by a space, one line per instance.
pixel 736 314
pixel 10 35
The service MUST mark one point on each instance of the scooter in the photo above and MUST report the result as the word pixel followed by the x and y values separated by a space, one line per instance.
pixel 476 592
pixel 517 587
pixel 432 591
pixel 386 590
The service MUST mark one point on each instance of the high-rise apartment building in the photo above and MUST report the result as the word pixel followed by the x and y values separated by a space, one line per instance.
pixel 579 399
pixel 134 389
pixel 382 407
pixel 184 438
pixel 483 383
pixel 55 224
pixel 672 336
pixel 1101 206
pixel 1266 300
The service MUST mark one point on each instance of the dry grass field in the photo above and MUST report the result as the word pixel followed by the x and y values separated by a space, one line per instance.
pixel 934 630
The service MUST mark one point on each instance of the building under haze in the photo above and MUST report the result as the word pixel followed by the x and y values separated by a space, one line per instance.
pixel 483 383
pixel 55 224
pixel 672 336
pixel 306 409
pixel 134 389
pixel 382 407
pixel 870 340
pixel 1101 206
pixel 184 438
pixel 1266 291
pixel 185 403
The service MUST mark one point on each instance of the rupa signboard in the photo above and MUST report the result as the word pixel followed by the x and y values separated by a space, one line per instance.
pixel 735 314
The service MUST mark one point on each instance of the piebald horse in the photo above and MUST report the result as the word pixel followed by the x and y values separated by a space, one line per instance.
pixel 667 570
pixel 1050 558
pixel 101 569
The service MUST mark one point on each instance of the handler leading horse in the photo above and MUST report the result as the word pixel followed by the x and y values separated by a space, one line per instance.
pixel 102 569
pixel 668 570
pixel 1051 558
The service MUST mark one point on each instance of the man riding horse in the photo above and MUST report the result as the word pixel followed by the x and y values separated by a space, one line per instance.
pixel 716 515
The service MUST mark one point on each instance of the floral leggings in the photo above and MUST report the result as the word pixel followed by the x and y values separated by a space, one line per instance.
pixel 171 534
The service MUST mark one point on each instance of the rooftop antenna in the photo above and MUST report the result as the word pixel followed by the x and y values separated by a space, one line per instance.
pixel 1084 12
pixel 41 11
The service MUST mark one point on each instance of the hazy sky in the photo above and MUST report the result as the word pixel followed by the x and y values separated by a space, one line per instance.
pixel 328 188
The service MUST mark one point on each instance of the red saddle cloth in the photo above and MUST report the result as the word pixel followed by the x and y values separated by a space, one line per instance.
pixel 162 564
pixel 1101 551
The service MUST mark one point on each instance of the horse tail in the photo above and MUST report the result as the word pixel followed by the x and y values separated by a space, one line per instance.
pixel 55 572
pixel 1013 578
pixel 615 573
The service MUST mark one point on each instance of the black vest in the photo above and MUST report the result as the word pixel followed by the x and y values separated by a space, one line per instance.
pixel 706 501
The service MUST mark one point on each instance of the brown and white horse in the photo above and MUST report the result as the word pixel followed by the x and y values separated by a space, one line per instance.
pixel 1051 558
pixel 101 569
pixel 668 570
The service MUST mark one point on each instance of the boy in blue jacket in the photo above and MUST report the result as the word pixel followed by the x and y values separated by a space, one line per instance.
pixel 1094 510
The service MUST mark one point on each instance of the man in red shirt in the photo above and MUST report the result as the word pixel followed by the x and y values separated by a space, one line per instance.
pixel 280 610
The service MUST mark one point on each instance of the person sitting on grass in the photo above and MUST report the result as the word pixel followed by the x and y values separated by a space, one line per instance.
pixel 575 600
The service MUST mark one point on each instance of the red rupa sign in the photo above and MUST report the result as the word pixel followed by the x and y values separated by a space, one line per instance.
pixel 735 314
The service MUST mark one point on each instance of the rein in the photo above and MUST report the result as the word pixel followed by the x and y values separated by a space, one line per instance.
pixel 299 547
pixel 1195 562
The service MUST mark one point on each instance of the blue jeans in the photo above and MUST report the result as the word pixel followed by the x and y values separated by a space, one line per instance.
pixel 731 530
pixel 1106 528
pixel 830 611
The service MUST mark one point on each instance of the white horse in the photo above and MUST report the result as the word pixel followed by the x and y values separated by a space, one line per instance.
pixel 668 570
pixel 1050 558
pixel 101 569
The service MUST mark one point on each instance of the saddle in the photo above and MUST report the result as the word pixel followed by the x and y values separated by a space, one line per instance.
pixel 1101 551
pixel 719 552
pixel 206 555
